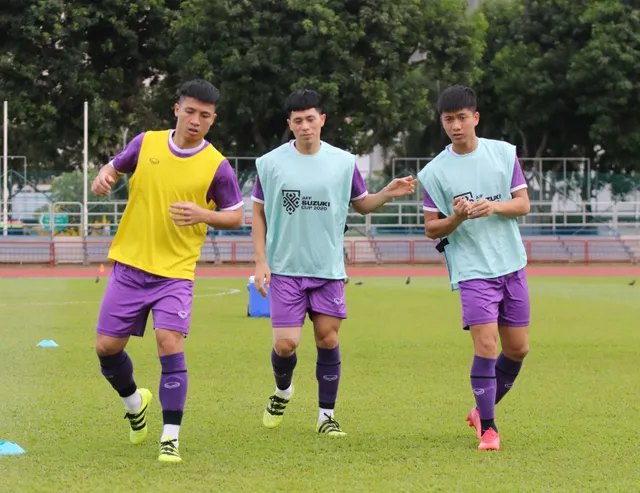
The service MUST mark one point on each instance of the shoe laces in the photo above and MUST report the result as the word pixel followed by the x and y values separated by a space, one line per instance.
pixel 332 422
pixel 277 403
pixel 168 445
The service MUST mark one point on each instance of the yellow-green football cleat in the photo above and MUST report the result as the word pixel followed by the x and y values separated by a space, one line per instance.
pixel 169 451
pixel 274 412
pixel 330 427
pixel 138 421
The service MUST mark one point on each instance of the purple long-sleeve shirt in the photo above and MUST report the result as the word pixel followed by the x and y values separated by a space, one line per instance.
pixel 224 190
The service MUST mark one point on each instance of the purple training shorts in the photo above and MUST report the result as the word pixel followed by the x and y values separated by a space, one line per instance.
pixel 504 300
pixel 132 293
pixel 292 297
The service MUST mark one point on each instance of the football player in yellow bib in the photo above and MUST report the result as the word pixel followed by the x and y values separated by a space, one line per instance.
pixel 178 181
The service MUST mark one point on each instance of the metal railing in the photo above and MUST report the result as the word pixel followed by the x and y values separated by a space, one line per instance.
pixel 358 251
pixel 546 177
pixel 103 218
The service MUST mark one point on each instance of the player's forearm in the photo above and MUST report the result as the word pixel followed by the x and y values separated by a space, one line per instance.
pixel 259 237
pixel 225 219
pixel 371 202
pixel 439 228
pixel 517 206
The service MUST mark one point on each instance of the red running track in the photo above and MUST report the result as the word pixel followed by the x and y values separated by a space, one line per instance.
pixel 352 272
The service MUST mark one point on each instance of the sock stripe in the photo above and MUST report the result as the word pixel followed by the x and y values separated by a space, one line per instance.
pixel 488 378
pixel 173 372
pixel 127 391
pixel 329 364
pixel 485 424
pixel 172 417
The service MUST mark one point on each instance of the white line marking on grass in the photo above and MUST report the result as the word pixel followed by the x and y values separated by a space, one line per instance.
pixel 224 293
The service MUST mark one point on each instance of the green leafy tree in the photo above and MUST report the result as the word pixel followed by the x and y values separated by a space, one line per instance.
pixel 525 94
pixel 454 42
pixel 356 53
pixel 559 82
pixel 606 73
pixel 55 54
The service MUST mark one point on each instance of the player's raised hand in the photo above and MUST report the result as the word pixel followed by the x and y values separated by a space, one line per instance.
pixel 262 278
pixel 482 208
pixel 187 214
pixel 101 185
pixel 461 207
pixel 399 187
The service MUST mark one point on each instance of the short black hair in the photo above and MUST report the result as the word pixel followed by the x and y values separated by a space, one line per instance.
pixel 456 98
pixel 303 99
pixel 201 90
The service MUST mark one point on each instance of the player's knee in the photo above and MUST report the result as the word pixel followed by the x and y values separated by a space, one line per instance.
pixel 169 342
pixel 327 340
pixel 517 353
pixel 103 349
pixel 285 347
pixel 486 347
pixel 107 346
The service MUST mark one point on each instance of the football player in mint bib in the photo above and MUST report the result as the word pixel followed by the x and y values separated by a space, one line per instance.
pixel 300 204
pixel 474 192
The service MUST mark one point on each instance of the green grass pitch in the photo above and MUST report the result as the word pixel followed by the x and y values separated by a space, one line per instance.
pixel 569 424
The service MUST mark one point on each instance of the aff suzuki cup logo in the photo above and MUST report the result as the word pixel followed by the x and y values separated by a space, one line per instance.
pixel 290 200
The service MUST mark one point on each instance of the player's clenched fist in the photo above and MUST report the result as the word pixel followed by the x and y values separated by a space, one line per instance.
pixel 461 208
pixel 101 185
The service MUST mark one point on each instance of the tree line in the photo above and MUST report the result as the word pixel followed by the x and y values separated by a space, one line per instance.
pixel 557 78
